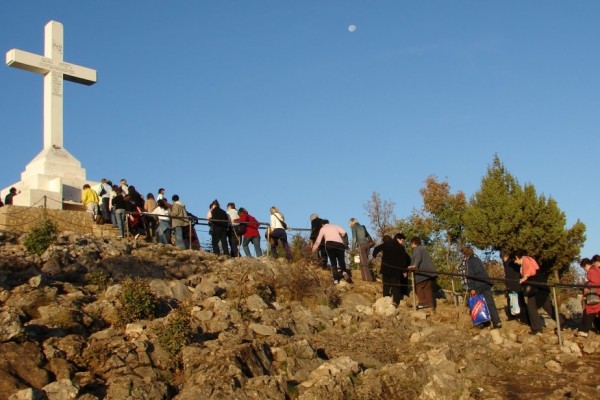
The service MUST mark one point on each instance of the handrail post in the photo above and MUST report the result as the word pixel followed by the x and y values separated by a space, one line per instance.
pixel 190 232
pixel 557 311
pixel 414 293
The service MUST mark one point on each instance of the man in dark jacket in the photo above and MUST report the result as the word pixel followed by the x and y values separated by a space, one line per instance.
pixel 219 222
pixel 394 262
pixel 316 224
pixel 424 274
pixel 478 280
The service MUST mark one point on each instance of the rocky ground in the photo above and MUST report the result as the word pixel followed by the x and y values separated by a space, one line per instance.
pixel 253 329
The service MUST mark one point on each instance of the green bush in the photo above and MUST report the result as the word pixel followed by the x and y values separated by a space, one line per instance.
pixel 176 333
pixel 98 278
pixel 137 302
pixel 41 236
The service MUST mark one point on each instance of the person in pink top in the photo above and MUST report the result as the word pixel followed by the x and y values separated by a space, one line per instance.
pixel 591 311
pixel 536 294
pixel 336 242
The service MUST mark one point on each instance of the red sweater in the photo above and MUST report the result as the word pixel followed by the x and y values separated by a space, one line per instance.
pixel 251 226
pixel 593 276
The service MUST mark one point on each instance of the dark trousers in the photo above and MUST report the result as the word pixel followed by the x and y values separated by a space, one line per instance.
pixel 393 286
pixel 234 242
pixel 279 235
pixel 588 321
pixel 219 235
pixel 425 295
pixel 151 224
pixel 105 209
pixel 337 259
pixel 322 255
pixel 541 298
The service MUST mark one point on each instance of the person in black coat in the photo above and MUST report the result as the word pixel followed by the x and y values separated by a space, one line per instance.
pixel 478 280
pixel 219 222
pixel 394 263
pixel 316 224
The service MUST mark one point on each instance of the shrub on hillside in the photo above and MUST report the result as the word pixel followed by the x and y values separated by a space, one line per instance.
pixel 98 278
pixel 41 236
pixel 176 333
pixel 137 301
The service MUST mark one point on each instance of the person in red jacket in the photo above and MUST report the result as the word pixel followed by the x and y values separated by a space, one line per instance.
pixel 251 235
pixel 591 311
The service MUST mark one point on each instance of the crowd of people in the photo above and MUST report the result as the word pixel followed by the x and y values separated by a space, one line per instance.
pixel 169 222
pixel 231 229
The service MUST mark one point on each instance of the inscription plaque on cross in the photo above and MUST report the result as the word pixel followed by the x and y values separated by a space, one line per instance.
pixel 54 69
pixel 54 177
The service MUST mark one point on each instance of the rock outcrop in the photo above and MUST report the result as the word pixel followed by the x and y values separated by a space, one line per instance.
pixel 253 329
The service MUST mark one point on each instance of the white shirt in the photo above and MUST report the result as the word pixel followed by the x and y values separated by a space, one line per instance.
pixel 163 214
pixel 276 219
pixel 233 215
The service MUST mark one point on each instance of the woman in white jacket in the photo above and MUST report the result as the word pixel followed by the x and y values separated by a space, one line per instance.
pixel 277 233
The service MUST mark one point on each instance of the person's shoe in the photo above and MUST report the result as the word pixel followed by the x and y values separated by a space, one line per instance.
pixel 420 307
pixel 582 334
pixel 335 281
pixel 535 332
pixel 347 277
pixel 136 236
pixel 497 326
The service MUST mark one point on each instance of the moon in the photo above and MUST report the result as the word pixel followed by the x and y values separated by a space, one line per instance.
pixel 351 28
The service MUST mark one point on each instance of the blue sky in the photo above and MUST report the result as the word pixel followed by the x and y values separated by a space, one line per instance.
pixel 271 102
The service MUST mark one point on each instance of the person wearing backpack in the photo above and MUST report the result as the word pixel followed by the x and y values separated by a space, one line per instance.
pixel 361 242
pixel 248 228
pixel 105 196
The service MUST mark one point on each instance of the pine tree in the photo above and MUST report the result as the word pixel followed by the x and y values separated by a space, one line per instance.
pixel 502 215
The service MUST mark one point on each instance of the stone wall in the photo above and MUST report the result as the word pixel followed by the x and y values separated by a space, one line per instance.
pixel 21 219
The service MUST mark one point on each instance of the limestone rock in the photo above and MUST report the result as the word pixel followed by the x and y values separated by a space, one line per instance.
pixel 553 366
pixel 264 330
pixel 385 307
pixel 10 324
pixel 61 390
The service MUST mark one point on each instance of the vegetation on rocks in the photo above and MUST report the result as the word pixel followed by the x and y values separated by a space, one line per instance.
pixel 181 324
pixel 136 301
pixel 41 236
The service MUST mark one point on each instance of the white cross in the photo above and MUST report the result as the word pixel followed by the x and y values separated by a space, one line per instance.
pixel 54 69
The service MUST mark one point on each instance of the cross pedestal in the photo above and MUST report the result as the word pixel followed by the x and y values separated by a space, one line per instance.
pixel 54 172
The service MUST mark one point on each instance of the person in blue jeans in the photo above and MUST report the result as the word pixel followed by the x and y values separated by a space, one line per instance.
pixel 179 220
pixel 118 203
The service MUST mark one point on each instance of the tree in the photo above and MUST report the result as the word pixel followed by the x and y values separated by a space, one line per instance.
pixel 439 223
pixel 490 217
pixel 381 215
pixel 502 215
